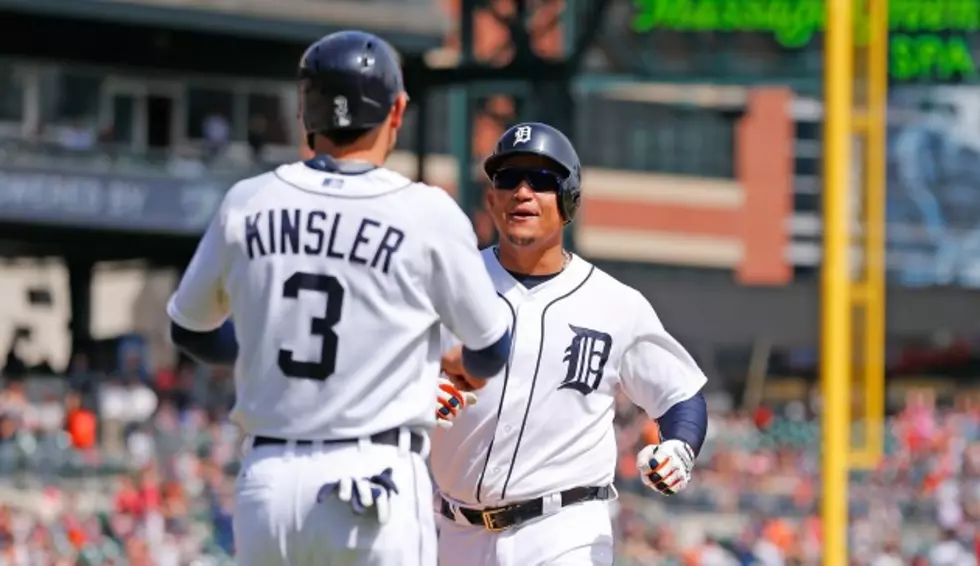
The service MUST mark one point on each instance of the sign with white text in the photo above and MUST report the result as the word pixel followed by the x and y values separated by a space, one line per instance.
pixel 119 202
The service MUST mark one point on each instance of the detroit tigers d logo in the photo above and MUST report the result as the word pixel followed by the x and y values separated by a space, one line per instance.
pixel 586 357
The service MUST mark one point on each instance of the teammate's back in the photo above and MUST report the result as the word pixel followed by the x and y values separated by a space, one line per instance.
pixel 337 281
pixel 337 273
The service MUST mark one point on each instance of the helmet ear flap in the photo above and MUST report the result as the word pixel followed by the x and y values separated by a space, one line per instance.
pixel 568 200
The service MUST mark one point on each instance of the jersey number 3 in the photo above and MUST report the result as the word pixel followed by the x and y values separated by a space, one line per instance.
pixel 319 326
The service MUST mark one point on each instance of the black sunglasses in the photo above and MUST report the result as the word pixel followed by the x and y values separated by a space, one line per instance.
pixel 540 180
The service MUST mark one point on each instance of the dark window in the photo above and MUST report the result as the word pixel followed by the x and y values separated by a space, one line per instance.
pixel 68 96
pixel 11 93
pixel 203 104
pixel 267 118
pixel 641 136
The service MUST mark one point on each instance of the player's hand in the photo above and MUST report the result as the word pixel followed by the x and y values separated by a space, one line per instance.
pixel 452 366
pixel 450 402
pixel 363 493
pixel 666 467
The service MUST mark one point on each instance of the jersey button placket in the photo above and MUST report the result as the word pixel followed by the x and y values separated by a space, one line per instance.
pixel 523 359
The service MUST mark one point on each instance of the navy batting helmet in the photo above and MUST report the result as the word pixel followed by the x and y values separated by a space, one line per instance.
pixel 533 138
pixel 349 81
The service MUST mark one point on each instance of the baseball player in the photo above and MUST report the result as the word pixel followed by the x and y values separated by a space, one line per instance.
pixel 337 273
pixel 524 475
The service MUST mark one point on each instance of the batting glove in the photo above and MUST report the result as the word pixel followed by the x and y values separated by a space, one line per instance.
pixel 450 402
pixel 666 467
pixel 363 493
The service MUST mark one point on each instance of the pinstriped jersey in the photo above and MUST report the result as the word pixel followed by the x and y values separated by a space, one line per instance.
pixel 546 423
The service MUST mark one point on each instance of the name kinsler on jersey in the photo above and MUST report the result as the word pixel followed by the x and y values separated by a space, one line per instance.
pixel 314 233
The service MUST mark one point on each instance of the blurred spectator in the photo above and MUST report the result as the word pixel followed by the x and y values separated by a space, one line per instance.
pixel 141 446
pixel 123 404
pixel 258 128
pixel 81 378
pixel 770 549
pixel 222 507
pixel 15 406
pixel 217 133
pixel 80 423
pixel 49 414
pixel 78 135
pixel 131 353
pixel 951 552
pixel 890 555
pixel 713 554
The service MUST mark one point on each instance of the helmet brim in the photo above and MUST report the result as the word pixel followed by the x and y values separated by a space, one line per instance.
pixel 493 163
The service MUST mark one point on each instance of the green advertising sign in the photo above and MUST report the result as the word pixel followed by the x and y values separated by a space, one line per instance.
pixel 929 40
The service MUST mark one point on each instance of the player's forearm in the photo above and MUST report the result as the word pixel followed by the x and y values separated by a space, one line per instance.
pixel 686 421
pixel 489 361
pixel 218 347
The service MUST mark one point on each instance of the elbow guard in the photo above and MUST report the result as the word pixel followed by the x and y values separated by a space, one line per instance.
pixel 490 360
pixel 217 346
pixel 686 421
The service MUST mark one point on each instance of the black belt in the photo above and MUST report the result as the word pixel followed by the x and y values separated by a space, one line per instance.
pixel 388 437
pixel 497 519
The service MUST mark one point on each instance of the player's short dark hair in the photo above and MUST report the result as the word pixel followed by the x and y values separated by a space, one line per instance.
pixel 344 137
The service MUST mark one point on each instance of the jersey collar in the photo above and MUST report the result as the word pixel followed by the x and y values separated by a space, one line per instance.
pixel 575 273
pixel 328 164
pixel 371 182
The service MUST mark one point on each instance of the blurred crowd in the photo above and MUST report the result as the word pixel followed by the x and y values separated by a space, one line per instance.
pixel 137 468
pixel 755 496
pixel 121 469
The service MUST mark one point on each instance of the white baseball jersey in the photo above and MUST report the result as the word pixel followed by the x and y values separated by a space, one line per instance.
pixel 337 285
pixel 546 424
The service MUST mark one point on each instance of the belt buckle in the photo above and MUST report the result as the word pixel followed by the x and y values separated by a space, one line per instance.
pixel 490 522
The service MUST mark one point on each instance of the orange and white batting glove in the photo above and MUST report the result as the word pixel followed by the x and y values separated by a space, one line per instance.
pixel 450 402
pixel 666 467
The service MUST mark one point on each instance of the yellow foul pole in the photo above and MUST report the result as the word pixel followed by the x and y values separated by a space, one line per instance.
pixel 835 277
pixel 872 284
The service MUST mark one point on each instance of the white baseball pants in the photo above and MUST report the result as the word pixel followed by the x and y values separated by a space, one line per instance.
pixel 577 535
pixel 278 521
